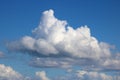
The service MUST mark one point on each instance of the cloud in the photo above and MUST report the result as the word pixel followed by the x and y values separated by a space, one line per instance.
pixel 64 63
pixel 106 65
pixel 112 63
pixel 7 73
pixel 42 75
pixel 1 54
pixel 54 37
pixel 86 75
pixel 55 44
pixel 52 62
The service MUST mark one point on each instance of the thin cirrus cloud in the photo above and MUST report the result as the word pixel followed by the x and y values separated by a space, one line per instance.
pixel 55 44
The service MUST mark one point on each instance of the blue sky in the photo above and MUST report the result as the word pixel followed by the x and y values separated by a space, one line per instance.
pixel 20 18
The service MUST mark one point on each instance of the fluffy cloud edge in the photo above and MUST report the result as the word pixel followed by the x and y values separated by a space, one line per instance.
pixel 7 73
pixel 42 75
pixel 54 37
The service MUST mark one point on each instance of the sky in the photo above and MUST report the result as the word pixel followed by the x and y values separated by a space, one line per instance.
pixel 59 39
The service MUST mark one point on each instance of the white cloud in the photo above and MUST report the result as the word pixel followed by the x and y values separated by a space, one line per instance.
pixel 7 73
pixel 53 36
pixel 86 75
pixel 52 62
pixel 42 75
pixel 112 63
pixel 64 63
pixel 54 39
pixel 93 75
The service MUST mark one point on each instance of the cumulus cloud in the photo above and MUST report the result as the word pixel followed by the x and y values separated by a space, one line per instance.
pixel 112 63
pixel 7 73
pixel 86 75
pixel 42 75
pixel 59 45
pixel 54 37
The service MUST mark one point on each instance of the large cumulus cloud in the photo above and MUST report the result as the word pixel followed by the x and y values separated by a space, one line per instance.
pixel 55 43
pixel 54 37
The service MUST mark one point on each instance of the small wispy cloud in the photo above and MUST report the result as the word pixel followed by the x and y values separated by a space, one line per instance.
pixel 1 54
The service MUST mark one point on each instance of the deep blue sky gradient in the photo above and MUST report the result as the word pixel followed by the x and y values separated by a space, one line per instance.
pixel 20 17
